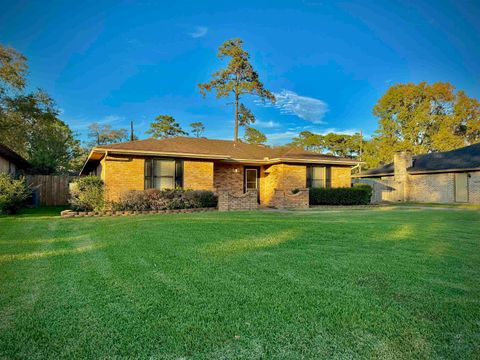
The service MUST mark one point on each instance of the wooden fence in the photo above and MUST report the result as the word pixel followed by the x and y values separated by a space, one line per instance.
pixel 52 190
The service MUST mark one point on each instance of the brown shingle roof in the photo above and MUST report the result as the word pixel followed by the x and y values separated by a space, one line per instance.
pixel 219 148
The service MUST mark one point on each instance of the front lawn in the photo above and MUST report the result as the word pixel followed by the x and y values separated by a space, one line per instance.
pixel 377 283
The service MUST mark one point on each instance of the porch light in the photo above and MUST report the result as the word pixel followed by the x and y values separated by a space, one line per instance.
pixel 235 170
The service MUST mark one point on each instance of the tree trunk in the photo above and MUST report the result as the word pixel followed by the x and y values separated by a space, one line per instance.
pixel 235 137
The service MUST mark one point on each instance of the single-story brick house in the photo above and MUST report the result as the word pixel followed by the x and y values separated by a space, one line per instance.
pixel 220 165
pixel 10 162
pixel 440 177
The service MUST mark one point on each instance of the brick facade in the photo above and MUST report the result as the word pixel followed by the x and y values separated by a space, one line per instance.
pixel 198 175
pixel 282 177
pixel 426 188
pixel 228 200
pixel 286 199
pixel 228 177
pixel 120 174
pixel 341 176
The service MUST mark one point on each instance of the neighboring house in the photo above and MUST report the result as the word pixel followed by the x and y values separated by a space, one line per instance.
pixel 441 177
pixel 10 162
pixel 205 164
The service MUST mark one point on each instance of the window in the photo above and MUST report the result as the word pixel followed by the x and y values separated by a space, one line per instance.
pixel 163 174
pixel 319 176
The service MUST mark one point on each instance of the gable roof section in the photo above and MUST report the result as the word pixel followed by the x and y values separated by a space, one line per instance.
pixel 13 157
pixel 222 150
pixel 465 158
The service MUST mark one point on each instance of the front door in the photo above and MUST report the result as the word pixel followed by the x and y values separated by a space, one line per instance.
pixel 461 187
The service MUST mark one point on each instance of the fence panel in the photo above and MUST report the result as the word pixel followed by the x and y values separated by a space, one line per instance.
pixel 52 190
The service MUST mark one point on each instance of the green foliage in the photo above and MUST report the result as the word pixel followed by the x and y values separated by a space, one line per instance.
pixel 238 78
pixel 29 122
pixel 422 118
pixel 197 128
pixel 335 144
pixel 87 194
pixel 154 199
pixel 245 116
pixel 357 195
pixel 103 134
pixel 13 69
pixel 165 126
pixel 13 194
pixel 254 136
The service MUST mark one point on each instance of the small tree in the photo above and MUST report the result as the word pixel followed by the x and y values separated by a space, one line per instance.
pixel 237 79
pixel 254 136
pixel 87 194
pixel 197 128
pixel 13 194
pixel 103 134
pixel 165 126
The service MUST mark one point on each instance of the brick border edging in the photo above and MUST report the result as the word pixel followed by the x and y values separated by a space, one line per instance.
pixel 71 213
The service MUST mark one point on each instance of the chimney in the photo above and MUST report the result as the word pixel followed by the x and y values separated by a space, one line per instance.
pixel 402 160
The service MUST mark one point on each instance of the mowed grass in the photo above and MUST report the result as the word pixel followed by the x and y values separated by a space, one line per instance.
pixel 384 283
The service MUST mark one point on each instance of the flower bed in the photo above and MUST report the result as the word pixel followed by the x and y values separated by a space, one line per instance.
pixel 71 214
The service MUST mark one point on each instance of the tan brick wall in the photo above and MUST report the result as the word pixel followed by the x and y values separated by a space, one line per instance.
pixel 234 201
pixel 122 173
pixel 198 175
pixel 283 177
pixel 225 177
pixel 436 188
pixel 474 188
pixel 341 176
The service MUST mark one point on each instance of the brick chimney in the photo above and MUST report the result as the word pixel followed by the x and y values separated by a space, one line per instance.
pixel 402 160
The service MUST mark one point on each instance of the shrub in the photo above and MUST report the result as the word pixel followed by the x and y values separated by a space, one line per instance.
pixel 13 194
pixel 154 199
pixel 87 194
pixel 357 195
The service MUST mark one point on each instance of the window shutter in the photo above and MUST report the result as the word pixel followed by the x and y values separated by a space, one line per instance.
pixel 309 176
pixel 148 173
pixel 179 173
pixel 328 176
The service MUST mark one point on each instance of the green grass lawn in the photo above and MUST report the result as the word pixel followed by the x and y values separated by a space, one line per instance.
pixel 383 283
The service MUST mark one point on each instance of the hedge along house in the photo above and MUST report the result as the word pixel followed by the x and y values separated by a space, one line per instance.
pixel 440 177
pixel 228 167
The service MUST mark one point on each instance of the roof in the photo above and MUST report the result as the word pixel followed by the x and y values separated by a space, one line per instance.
pixel 222 150
pixel 12 156
pixel 465 158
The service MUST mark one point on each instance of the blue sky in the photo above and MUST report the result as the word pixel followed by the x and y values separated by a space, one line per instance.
pixel 328 62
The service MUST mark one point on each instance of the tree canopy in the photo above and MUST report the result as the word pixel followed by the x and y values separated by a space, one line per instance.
pixel 165 126
pixel 238 78
pixel 103 134
pixel 254 136
pixel 335 144
pixel 197 128
pixel 29 122
pixel 422 118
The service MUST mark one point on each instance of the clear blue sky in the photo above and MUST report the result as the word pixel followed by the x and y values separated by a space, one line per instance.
pixel 113 62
